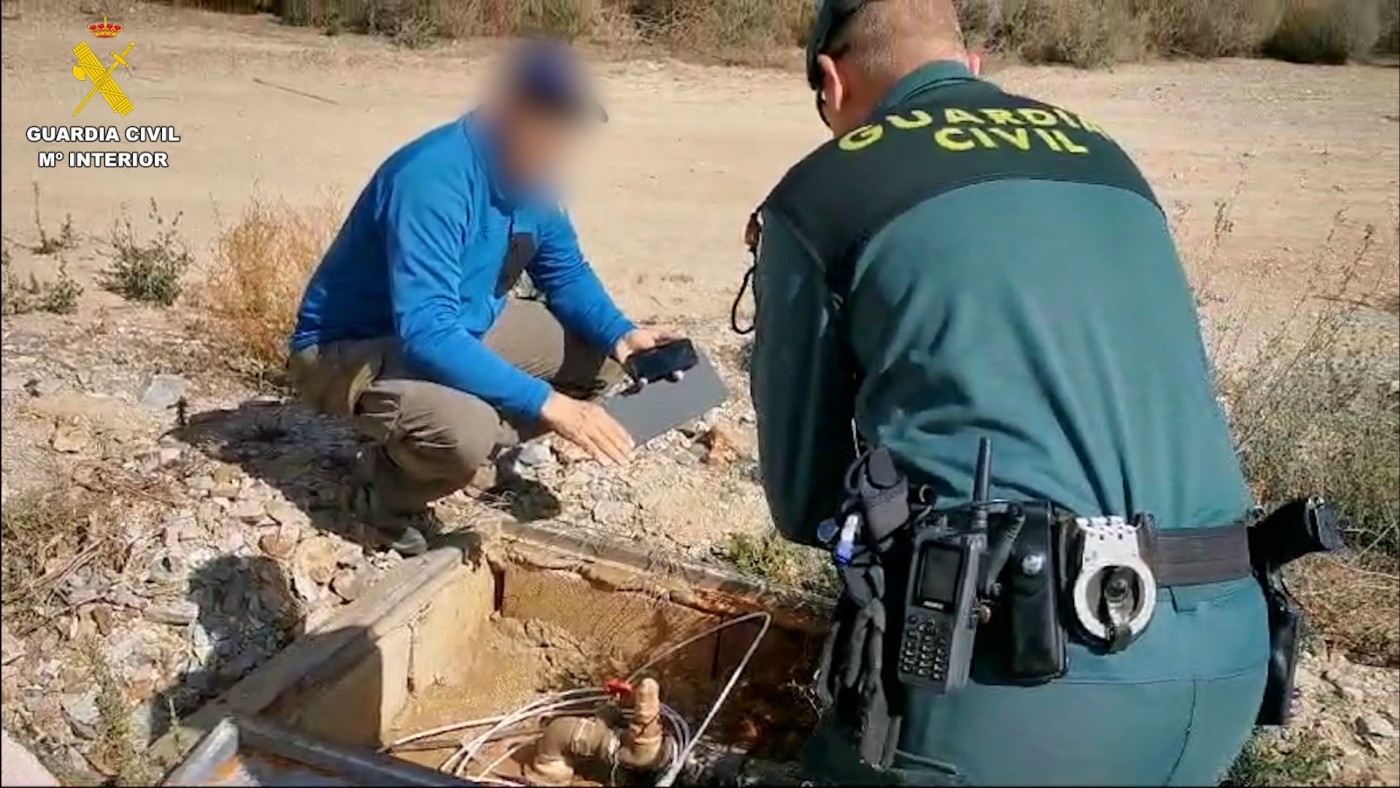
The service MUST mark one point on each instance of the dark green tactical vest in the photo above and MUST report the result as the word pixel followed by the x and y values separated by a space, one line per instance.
pixel 944 138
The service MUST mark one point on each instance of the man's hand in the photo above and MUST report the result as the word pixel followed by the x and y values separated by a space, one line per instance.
pixel 587 426
pixel 639 339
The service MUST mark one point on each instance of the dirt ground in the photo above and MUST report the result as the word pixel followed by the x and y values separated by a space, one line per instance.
pixel 661 197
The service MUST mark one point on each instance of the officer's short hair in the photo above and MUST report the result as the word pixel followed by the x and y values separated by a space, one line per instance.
pixel 881 33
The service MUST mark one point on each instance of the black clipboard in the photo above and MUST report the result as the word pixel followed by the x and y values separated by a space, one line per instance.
pixel 664 405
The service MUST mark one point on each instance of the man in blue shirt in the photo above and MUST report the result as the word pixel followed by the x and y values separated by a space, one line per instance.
pixel 407 325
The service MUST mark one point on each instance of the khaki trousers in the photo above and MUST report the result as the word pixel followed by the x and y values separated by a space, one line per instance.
pixel 433 438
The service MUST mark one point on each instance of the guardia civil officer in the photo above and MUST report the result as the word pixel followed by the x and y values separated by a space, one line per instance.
pixel 958 264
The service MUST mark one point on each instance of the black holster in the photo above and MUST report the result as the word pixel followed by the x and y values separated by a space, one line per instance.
pixel 1296 529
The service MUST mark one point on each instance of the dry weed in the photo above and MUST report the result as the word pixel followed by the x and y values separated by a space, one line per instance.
pixel 43 530
pixel 1326 31
pixel 1315 411
pixel 261 266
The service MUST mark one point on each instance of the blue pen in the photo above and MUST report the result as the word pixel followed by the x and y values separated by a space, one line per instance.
pixel 846 545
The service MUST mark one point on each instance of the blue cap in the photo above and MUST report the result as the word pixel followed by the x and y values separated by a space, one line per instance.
pixel 549 74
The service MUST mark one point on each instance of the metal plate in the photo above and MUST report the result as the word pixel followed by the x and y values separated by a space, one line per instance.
pixel 665 405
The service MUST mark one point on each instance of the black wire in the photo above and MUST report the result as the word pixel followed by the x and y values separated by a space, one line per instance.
pixel 739 297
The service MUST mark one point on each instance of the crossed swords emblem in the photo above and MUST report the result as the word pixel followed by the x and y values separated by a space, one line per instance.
pixel 90 68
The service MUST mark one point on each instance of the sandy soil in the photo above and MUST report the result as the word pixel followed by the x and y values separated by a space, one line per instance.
pixel 662 195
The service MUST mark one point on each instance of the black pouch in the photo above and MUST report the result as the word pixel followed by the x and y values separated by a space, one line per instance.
pixel 1025 640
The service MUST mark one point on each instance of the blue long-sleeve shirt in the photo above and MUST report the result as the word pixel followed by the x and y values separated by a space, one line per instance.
pixel 420 257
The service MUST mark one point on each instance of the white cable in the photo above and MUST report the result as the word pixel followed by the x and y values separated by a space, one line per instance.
pixel 669 650
pixel 670 775
pixel 556 704
pixel 492 766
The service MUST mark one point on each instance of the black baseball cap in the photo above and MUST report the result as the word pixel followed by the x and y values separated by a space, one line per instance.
pixel 831 16
pixel 549 74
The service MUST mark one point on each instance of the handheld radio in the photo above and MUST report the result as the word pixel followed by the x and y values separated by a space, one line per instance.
pixel 941 601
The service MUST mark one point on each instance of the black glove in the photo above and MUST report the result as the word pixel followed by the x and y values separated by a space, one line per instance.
pixel 850 677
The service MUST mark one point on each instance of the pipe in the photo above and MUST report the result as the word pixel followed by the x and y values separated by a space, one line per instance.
pixel 564 740
pixel 567 740
pixel 643 745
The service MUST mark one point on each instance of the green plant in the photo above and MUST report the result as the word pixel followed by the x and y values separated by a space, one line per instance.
pixel 21 296
pixel 116 746
pixel 50 244
pixel 1292 758
pixel 150 270
pixel 772 558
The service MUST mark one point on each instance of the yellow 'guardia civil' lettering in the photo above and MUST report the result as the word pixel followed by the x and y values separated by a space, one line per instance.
pixel 863 137
pixel 918 120
pixel 953 138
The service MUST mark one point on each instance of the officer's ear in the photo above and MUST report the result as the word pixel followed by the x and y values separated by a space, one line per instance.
pixel 974 63
pixel 834 89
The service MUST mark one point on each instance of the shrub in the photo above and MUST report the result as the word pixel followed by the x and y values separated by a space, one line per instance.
pixel 20 296
pixel 52 244
pixel 261 266
pixel 1326 31
pixel 1083 33
pixel 149 270
pixel 1209 28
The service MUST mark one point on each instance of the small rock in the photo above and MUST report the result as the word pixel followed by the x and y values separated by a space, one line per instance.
pixel 227 482
pixel 203 482
pixel 249 510
pixel 1376 726
pixel 535 454
pixel 121 596
pixel 179 613
pixel 164 391
pixel 613 512
pixel 317 558
pixel 71 435
pixel 287 514
pixel 169 455
pixel 306 589
pixel 722 445
pixel 167 568
pixel 349 584
pixel 42 387
pixel 278 543
pixel 80 709
pixel 11 648
pixel 178 528
pixel 105 620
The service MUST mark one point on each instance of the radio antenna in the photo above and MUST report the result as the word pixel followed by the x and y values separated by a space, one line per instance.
pixel 981 485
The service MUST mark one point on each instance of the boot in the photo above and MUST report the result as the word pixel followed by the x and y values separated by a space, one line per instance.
pixel 403 532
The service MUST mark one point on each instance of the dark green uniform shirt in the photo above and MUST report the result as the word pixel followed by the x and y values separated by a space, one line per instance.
pixel 1051 316
pixel 976 264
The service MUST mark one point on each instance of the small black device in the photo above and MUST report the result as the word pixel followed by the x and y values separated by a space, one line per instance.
pixel 941 603
pixel 662 362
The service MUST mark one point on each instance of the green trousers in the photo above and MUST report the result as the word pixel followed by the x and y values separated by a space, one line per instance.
pixel 1174 708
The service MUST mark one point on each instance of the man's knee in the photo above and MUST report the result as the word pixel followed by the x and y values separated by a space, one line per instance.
pixel 431 432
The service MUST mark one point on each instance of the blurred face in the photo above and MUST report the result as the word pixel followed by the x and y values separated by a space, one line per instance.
pixel 536 142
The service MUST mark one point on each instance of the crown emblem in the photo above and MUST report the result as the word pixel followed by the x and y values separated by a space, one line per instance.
pixel 105 29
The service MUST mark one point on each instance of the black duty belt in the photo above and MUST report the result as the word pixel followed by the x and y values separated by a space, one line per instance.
pixel 1198 556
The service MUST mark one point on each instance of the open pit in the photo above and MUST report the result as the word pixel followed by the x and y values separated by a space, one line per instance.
pixel 491 624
